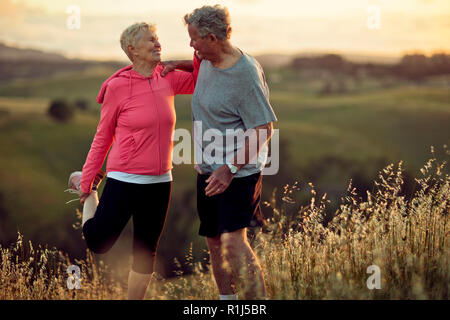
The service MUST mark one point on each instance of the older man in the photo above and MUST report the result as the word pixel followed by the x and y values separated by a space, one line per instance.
pixel 231 94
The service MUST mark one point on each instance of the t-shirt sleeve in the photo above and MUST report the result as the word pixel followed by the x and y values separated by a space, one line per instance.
pixel 255 108
pixel 196 64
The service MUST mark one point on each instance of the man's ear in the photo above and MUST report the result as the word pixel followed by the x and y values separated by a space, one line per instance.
pixel 212 37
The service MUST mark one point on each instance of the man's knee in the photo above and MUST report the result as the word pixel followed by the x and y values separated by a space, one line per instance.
pixel 232 242
pixel 213 243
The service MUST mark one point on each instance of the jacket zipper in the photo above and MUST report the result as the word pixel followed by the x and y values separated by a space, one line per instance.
pixel 158 128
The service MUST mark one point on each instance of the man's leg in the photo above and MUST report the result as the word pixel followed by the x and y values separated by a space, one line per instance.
pixel 242 259
pixel 221 269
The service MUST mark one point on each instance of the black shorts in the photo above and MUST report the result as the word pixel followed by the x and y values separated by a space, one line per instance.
pixel 147 204
pixel 236 208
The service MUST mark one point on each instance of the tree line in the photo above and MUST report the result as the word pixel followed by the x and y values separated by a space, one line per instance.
pixel 411 66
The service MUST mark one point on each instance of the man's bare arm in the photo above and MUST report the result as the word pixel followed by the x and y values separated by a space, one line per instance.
pixel 221 178
pixel 262 135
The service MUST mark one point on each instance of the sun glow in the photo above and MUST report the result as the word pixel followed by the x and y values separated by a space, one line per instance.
pixel 284 26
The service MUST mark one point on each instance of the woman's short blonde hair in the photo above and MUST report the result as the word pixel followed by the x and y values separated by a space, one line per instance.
pixel 132 35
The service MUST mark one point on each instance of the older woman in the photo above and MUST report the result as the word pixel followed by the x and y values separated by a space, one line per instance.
pixel 137 120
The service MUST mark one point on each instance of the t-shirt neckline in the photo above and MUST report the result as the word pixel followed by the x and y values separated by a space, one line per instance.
pixel 226 69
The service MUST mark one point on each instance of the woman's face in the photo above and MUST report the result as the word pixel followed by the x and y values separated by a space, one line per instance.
pixel 148 48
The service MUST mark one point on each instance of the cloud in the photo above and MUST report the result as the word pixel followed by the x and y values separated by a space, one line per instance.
pixel 98 37
pixel 11 9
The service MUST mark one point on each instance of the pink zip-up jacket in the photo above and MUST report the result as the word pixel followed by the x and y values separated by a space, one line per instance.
pixel 137 119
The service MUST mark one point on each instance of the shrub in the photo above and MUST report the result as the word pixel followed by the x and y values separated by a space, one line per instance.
pixel 81 104
pixel 60 110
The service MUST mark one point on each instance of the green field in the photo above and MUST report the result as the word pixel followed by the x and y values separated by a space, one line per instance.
pixel 324 139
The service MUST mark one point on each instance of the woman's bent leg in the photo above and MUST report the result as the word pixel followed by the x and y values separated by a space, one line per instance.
pixel 111 216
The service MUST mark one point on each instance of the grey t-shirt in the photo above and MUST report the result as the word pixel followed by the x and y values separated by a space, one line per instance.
pixel 227 102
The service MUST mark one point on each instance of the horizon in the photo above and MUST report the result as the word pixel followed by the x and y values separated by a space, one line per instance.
pixel 287 27
pixel 352 56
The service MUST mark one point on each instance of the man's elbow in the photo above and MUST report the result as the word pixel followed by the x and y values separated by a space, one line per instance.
pixel 265 132
pixel 269 130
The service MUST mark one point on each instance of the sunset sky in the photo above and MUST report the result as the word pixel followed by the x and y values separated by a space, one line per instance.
pixel 259 26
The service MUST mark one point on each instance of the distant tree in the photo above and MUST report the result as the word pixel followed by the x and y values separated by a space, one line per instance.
pixel 331 62
pixel 414 66
pixel 302 62
pixel 440 63
pixel 81 104
pixel 417 66
pixel 60 110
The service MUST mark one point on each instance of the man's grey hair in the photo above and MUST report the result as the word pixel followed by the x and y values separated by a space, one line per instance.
pixel 132 35
pixel 210 19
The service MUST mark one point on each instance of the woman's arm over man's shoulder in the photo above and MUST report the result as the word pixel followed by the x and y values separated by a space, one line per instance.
pixel 182 82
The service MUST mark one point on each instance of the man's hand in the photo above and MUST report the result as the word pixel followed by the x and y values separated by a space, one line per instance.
pixel 169 66
pixel 219 181
pixel 83 197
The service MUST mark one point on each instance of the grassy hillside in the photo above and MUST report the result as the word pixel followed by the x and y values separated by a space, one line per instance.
pixel 358 126
pixel 325 139
pixel 384 248
pixel 68 85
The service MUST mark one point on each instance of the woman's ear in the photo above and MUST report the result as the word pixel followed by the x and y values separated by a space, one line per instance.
pixel 130 49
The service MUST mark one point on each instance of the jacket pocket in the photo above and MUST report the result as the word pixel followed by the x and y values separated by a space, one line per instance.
pixel 127 150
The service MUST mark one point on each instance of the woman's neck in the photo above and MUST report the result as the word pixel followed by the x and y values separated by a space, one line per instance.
pixel 144 68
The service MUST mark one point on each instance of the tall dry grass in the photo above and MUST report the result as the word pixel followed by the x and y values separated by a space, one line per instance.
pixel 407 240
pixel 301 258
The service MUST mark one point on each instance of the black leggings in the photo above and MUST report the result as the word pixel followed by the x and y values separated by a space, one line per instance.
pixel 147 203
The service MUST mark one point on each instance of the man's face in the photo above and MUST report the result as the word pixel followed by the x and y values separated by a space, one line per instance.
pixel 203 46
